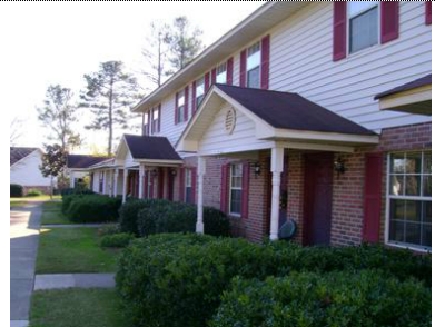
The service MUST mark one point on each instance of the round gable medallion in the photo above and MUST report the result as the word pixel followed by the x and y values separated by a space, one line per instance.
pixel 230 121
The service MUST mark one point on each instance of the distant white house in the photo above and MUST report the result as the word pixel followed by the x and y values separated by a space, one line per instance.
pixel 24 169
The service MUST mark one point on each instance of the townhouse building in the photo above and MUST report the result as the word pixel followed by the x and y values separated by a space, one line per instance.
pixel 318 113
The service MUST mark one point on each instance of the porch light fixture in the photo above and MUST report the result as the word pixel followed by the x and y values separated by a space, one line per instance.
pixel 173 172
pixel 257 169
pixel 339 167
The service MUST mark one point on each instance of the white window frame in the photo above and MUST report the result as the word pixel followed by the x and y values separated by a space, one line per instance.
pixel 248 69
pixel 348 18
pixel 235 214
pixel 181 96
pixel 200 86
pixel 223 72
pixel 403 197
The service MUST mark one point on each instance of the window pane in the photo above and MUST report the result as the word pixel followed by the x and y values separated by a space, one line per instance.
pixel 413 163
pixel 397 231
pixel 397 209
pixel 427 235
pixel 188 195
pixel 181 100
pixel 199 101
pixel 428 163
pixel 413 233
pixel 364 30
pixel 200 87
pixel 357 7
pixel 397 163
pixel 427 211
pixel 146 118
pixel 396 185
pixel 235 202
pixel 427 186
pixel 254 78
pixel 413 185
pixel 413 211
pixel 156 114
pixel 180 114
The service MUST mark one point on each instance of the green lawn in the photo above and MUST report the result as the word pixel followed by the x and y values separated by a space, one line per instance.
pixel 73 250
pixel 52 215
pixel 35 198
pixel 76 308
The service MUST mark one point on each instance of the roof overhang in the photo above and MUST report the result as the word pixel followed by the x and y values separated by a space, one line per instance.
pixel 296 139
pixel 417 101
pixel 262 20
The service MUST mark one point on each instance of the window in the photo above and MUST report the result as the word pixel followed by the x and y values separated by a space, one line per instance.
pixel 363 24
pixel 146 129
pixel 253 66
pixel 410 199
pixel 188 186
pixel 236 179
pixel 155 121
pixel 200 91
pixel 180 106
pixel 221 74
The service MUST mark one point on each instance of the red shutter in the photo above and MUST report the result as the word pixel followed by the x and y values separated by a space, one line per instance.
pixel 389 21
pixel 182 184
pixel 176 109
pixel 207 82
pixel 230 71
pixel 160 117
pixel 428 12
pixel 224 188
pixel 243 63
pixel 340 25
pixel 265 57
pixel 213 76
pixel 193 97
pixel 186 104
pixel 193 190
pixel 245 191
pixel 372 196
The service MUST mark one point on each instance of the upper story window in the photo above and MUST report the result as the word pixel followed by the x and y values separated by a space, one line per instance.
pixel 181 103
pixel 200 91
pixel 363 24
pixel 410 199
pixel 221 74
pixel 253 66
pixel 155 123
pixel 146 124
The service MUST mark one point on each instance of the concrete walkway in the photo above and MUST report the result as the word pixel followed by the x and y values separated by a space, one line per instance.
pixel 46 282
pixel 24 238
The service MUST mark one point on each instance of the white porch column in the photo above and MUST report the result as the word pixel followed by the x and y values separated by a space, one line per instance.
pixel 110 191
pixel 200 180
pixel 276 168
pixel 141 180
pixel 104 182
pixel 124 185
pixel 115 188
pixel 71 180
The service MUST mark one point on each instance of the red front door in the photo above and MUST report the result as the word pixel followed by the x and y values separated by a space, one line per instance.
pixel 319 174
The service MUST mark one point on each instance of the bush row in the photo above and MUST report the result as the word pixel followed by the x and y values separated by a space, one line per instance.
pixel 16 191
pixel 176 280
pixel 340 299
pixel 120 240
pixel 90 208
pixel 76 191
pixel 149 217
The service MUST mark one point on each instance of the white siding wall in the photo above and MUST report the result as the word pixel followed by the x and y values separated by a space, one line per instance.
pixel 26 172
pixel 301 61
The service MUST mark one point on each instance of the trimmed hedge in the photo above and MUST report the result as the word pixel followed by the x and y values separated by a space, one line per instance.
pixel 120 240
pixel 339 299
pixel 66 202
pixel 34 192
pixel 16 191
pixel 75 191
pixel 93 209
pixel 178 280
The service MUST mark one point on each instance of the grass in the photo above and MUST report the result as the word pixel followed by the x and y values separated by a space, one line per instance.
pixel 35 198
pixel 52 215
pixel 73 250
pixel 76 308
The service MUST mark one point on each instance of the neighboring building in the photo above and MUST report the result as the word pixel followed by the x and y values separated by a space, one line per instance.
pixel 316 111
pixel 24 170
pixel 78 167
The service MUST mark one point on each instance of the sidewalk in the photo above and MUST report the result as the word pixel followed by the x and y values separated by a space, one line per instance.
pixel 46 282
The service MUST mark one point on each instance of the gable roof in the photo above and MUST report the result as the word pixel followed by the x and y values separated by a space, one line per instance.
pixel 285 110
pixel 83 162
pixel 420 82
pixel 16 154
pixel 150 148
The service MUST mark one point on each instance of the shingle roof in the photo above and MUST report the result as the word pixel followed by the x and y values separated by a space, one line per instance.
pixel 16 154
pixel 83 162
pixel 286 110
pixel 151 148
pixel 424 81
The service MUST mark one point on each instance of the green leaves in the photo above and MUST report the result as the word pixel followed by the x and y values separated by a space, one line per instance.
pixel 52 161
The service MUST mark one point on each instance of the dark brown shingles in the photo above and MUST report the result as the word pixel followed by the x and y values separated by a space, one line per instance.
pixel 151 148
pixel 424 81
pixel 83 162
pixel 16 154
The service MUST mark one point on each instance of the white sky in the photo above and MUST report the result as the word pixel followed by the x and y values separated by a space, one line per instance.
pixel 43 43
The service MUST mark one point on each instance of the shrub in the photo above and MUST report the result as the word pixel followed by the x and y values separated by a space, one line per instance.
pixel 66 202
pixel 340 299
pixel 128 214
pixel 120 240
pixel 34 192
pixel 108 230
pixel 76 191
pixel 16 191
pixel 216 223
pixel 93 208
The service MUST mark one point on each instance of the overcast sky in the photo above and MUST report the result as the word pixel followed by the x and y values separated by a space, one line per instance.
pixel 43 43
